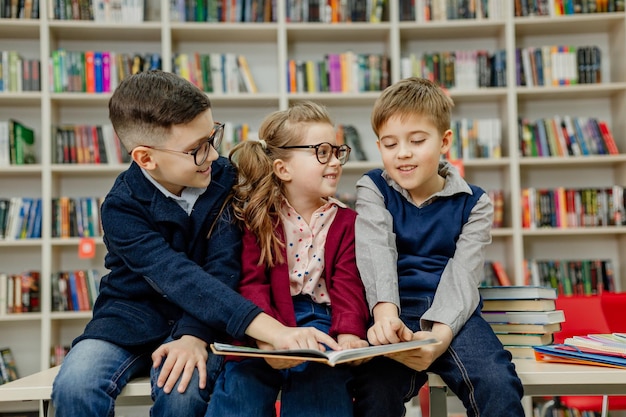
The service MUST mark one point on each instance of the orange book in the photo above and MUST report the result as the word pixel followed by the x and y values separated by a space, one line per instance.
pixel 64 203
pixel 334 11
pixel 90 74
pixel 291 76
pixel 501 275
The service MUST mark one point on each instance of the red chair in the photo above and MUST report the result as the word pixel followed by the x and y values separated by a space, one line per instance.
pixel 592 314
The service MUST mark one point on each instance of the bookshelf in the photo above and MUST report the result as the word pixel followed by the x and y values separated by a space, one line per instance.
pixel 267 47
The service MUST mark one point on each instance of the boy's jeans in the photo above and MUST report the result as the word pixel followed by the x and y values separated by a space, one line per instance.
pixel 249 387
pixel 95 372
pixel 475 367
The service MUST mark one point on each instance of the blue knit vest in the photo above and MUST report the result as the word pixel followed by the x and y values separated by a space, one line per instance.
pixel 425 237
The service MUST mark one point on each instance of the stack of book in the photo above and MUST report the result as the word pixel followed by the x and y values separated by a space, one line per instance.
pixel 522 316
pixel 603 349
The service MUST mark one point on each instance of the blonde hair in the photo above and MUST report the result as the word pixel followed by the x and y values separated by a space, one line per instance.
pixel 259 193
pixel 413 96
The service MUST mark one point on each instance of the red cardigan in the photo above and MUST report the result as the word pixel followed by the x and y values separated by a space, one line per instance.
pixel 269 287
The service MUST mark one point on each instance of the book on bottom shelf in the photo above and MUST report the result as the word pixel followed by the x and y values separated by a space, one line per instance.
pixel 331 357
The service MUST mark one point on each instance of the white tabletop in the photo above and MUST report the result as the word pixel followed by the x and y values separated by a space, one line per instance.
pixel 39 386
pixel 543 378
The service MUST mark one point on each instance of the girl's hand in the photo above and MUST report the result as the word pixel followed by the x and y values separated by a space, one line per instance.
pixel 303 338
pixel 278 363
pixel 350 341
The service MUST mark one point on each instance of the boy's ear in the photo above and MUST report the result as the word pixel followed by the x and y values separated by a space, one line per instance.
pixel 281 170
pixel 446 141
pixel 143 157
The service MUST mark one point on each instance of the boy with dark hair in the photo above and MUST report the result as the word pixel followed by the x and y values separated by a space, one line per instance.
pixel 174 261
pixel 420 239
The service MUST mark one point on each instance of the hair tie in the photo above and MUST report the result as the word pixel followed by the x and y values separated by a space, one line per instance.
pixel 263 144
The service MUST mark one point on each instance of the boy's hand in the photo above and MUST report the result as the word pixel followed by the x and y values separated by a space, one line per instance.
pixel 421 358
pixel 350 341
pixel 388 330
pixel 182 356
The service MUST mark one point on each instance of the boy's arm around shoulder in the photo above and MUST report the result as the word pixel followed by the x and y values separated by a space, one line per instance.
pixel 457 294
pixel 147 256
pixel 375 245
pixel 350 314
pixel 255 282
pixel 223 263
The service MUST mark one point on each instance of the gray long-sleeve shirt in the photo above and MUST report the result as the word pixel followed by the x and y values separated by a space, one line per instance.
pixel 457 295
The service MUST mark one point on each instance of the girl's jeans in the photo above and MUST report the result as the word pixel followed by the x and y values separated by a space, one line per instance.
pixel 475 367
pixel 95 372
pixel 249 387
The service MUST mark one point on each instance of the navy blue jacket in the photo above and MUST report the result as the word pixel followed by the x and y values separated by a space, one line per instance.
pixel 166 278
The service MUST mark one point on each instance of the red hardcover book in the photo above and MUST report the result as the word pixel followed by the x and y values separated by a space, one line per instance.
pixel 82 291
pixel 503 277
pixel 607 136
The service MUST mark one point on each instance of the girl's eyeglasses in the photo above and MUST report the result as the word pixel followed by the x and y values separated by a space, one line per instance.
pixel 324 151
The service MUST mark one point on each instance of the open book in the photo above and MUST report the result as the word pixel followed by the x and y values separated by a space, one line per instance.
pixel 331 357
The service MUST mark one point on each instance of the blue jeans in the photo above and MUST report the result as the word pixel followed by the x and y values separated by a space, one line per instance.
pixel 95 372
pixel 249 387
pixel 475 367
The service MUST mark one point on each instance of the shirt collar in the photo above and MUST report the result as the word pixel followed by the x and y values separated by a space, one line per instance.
pixel 454 183
pixel 187 198
pixel 330 201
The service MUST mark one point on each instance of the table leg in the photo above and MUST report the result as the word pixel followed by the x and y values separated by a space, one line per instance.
pixel 438 402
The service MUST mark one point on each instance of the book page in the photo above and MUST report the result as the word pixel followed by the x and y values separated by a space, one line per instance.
pixel 329 357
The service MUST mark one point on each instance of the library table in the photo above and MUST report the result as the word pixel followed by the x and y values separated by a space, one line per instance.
pixel 547 379
pixel 538 378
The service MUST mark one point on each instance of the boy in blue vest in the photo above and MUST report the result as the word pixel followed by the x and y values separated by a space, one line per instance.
pixel 421 232
pixel 174 255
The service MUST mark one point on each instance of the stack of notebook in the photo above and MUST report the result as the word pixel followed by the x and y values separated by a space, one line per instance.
pixel 522 316
pixel 604 349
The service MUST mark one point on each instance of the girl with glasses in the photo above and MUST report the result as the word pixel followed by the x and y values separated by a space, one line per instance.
pixel 299 265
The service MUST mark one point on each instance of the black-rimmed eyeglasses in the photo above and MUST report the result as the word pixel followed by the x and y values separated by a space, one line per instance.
pixel 201 152
pixel 324 151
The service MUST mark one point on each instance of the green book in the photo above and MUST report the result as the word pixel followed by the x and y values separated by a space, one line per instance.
pixel 22 143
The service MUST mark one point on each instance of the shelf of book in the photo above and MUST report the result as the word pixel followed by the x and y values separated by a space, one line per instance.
pixel 267 47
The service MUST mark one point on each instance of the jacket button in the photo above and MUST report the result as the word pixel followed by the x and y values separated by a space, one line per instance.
pixel 171 322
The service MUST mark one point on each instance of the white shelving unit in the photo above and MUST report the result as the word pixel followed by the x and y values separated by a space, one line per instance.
pixel 267 48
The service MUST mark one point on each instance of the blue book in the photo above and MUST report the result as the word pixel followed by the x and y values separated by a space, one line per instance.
pixel 580 136
pixel 73 291
pixel 98 71
pixel 542 139
pixel 573 354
